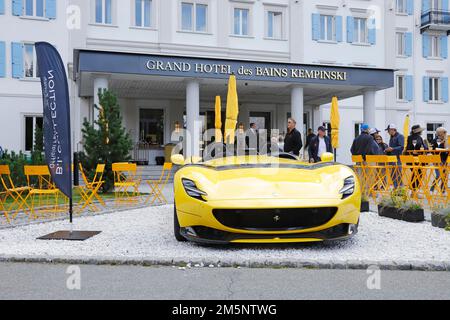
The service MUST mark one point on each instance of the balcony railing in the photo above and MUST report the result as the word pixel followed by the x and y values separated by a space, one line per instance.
pixel 436 19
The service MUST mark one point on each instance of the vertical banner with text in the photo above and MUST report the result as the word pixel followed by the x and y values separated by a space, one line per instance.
pixel 55 93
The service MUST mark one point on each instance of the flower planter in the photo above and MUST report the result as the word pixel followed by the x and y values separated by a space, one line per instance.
pixel 404 215
pixel 438 220
pixel 365 206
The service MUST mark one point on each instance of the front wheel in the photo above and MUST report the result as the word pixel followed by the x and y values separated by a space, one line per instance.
pixel 176 227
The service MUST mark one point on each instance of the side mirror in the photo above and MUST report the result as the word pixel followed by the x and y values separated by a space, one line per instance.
pixel 177 159
pixel 327 157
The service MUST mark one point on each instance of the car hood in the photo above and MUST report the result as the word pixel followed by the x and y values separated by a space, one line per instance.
pixel 271 183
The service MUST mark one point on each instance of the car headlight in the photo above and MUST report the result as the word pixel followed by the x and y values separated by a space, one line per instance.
pixel 192 190
pixel 349 187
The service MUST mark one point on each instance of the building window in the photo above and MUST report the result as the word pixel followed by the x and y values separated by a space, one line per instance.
pixel 274 24
pixel 401 44
pixel 401 88
pixel 241 17
pixel 357 129
pixel 327 28
pixel 434 89
pixel 431 130
pixel 143 13
pixel 29 62
pixel 34 8
pixel 401 6
pixel 103 11
pixel 31 124
pixel 360 31
pixel 435 45
pixel 151 126
pixel 436 5
pixel 194 16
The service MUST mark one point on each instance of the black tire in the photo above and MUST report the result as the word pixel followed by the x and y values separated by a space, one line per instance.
pixel 176 227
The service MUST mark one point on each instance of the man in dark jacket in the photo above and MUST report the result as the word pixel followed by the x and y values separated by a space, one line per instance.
pixel 319 145
pixel 396 148
pixel 364 144
pixel 252 139
pixel 293 140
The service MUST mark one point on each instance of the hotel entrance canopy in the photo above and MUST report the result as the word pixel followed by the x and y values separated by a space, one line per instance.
pixel 131 75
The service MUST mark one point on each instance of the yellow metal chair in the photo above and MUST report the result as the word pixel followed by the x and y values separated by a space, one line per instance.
pixel 13 192
pixel 126 183
pixel 411 176
pixel 2 207
pixel 432 175
pixel 360 169
pixel 90 189
pixel 41 187
pixel 157 186
pixel 378 175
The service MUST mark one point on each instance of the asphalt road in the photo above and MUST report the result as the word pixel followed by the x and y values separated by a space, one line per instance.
pixel 52 281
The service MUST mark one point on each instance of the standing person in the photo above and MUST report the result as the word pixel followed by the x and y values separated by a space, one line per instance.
pixel 319 145
pixel 364 144
pixel 252 139
pixel 309 137
pixel 293 140
pixel 396 148
pixel 415 143
pixel 441 143
pixel 381 144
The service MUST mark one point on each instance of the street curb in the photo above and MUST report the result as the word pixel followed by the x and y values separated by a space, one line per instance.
pixel 279 264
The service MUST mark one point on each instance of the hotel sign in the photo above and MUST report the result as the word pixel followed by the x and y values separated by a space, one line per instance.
pixel 206 68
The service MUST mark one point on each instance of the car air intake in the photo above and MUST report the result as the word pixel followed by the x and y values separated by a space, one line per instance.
pixel 274 219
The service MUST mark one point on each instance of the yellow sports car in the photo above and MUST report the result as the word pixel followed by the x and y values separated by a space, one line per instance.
pixel 264 199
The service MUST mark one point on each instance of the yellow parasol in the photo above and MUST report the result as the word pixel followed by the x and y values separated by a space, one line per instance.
pixel 232 111
pixel 218 123
pixel 406 130
pixel 335 123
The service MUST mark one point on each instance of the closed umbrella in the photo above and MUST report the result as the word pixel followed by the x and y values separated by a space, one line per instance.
pixel 218 123
pixel 406 130
pixel 335 124
pixel 232 111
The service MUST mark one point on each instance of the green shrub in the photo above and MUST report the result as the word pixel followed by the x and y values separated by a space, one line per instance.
pixel 16 162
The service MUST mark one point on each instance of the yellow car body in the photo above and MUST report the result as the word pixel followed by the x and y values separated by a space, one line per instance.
pixel 265 199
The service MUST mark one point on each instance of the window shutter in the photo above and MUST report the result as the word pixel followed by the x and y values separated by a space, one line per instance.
pixel 2 59
pixel 426 89
pixel 50 9
pixel 372 31
pixel 339 28
pixel 444 86
pixel 410 7
pixel 409 44
pixel 2 6
pixel 426 5
pixel 350 26
pixel 17 7
pixel 444 47
pixel 17 59
pixel 426 45
pixel 409 88
pixel 315 26
pixel 444 6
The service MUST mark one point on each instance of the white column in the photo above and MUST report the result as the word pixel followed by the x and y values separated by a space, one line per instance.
pixel 369 108
pixel 192 118
pixel 297 106
pixel 100 83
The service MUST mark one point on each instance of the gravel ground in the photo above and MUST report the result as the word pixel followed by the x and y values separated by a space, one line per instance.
pixel 145 236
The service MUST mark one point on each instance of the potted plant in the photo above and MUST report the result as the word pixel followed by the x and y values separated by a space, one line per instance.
pixel 398 206
pixel 365 203
pixel 440 217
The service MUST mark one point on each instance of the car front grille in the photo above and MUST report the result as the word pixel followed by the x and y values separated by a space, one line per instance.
pixel 274 219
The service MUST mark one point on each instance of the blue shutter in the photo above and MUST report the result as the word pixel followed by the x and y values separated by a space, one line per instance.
pixel 444 86
pixel 372 31
pixel 410 7
pixel 444 5
pixel 408 44
pixel 17 7
pixel 426 5
pixel 50 9
pixel 2 6
pixel 409 88
pixel 350 26
pixel 426 45
pixel 426 89
pixel 444 47
pixel 2 59
pixel 315 26
pixel 17 59
pixel 339 28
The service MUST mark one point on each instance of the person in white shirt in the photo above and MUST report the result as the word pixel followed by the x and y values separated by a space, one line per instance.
pixel 319 145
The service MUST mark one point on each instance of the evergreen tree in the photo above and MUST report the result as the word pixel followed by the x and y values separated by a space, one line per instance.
pixel 106 141
pixel 37 155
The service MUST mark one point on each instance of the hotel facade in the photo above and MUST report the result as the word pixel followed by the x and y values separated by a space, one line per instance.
pixel 166 60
